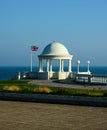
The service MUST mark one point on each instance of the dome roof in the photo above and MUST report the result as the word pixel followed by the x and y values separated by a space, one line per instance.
pixel 55 48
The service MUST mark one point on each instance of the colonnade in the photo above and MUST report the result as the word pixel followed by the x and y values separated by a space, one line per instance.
pixel 49 65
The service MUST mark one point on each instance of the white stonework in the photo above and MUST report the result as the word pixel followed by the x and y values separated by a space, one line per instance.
pixel 55 51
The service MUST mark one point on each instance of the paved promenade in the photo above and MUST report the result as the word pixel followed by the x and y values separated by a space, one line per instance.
pixel 41 116
pixel 67 84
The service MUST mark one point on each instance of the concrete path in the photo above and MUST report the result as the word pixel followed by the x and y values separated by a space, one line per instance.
pixel 67 84
pixel 41 116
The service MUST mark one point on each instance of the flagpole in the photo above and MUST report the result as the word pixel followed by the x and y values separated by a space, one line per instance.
pixel 33 48
pixel 31 61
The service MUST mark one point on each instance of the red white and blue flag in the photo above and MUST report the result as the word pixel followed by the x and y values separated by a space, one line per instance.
pixel 34 48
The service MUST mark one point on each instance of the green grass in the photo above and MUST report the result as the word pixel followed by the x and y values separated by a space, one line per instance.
pixel 22 86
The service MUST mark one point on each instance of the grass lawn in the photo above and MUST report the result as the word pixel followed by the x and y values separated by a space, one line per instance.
pixel 22 86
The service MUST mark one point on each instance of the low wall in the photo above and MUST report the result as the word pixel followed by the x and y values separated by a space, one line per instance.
pixel 56 99
pixel 43 75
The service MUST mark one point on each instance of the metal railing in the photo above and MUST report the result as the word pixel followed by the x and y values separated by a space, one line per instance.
pixel 91 79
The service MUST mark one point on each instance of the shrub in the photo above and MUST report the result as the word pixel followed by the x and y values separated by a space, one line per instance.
pixel 95 94
pixel 42 90
pixel 12 88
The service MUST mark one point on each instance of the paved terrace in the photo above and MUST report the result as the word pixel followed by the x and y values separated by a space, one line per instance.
pixel 67 84
pixel 41 116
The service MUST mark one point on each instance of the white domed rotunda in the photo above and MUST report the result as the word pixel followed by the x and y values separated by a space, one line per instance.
pixel 54 51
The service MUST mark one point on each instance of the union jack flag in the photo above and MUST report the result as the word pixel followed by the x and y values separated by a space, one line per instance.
pixel 34 48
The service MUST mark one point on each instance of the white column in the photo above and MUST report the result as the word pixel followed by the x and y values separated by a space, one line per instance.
pixel 60 65
pixel 50 65
pixel 88 63
pixel 40 65
pixel 78 63
pixel 47 65
pixel 69 65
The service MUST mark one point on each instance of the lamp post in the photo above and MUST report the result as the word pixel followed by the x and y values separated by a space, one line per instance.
pixel 78 63
pixel 88 63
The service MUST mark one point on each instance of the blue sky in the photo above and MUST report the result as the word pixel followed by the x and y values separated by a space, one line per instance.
pixel 81 25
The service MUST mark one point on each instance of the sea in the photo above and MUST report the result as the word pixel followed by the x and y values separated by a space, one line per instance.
pixel 8 72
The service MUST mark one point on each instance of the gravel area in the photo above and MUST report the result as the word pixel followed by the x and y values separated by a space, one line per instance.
pixel 42 116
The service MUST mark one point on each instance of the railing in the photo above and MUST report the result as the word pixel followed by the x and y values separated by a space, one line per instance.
pixel 82 78
pixel 25 75
pixel 91 79
pixel 99 79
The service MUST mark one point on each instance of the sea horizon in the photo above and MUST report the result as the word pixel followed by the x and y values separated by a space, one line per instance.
pixel 8 72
